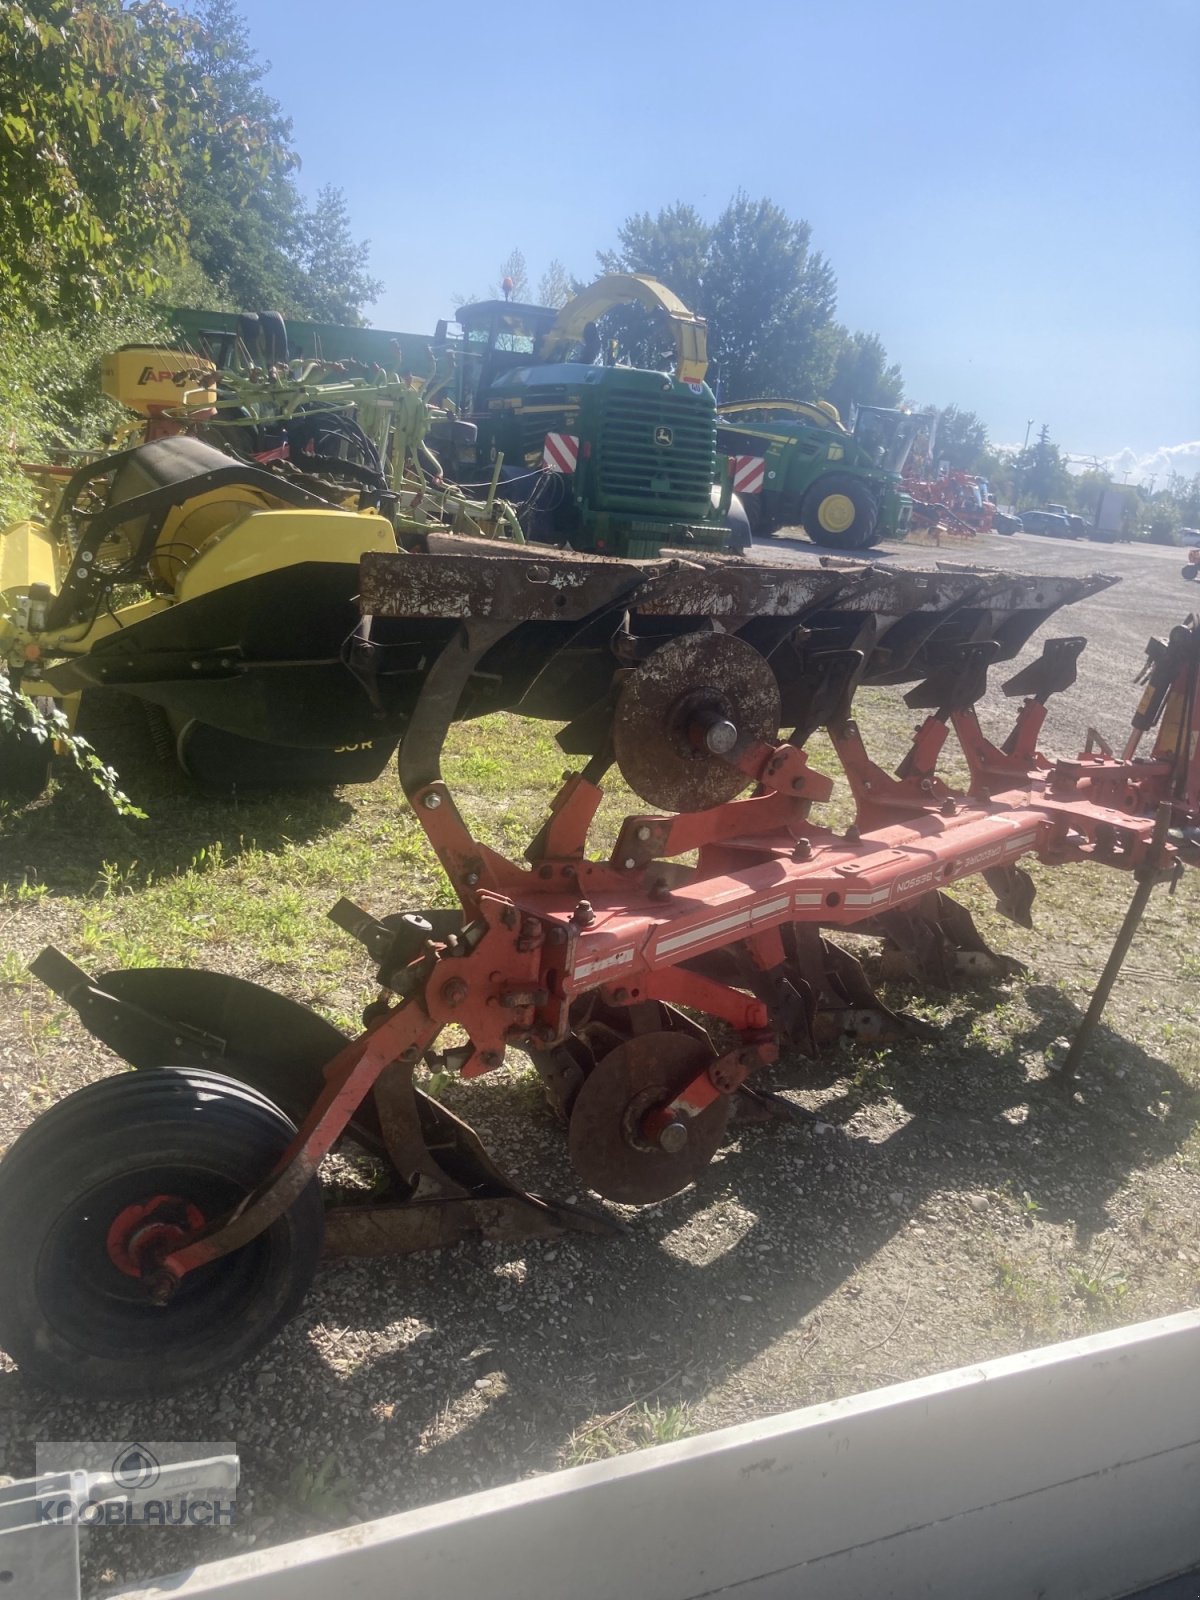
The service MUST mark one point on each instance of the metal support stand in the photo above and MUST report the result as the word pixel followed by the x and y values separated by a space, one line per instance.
pixel 1147 879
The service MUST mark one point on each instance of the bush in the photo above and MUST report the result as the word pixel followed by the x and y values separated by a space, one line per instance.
pixel 50 393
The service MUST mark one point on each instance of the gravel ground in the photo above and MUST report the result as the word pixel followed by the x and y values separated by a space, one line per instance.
pixel 948 1207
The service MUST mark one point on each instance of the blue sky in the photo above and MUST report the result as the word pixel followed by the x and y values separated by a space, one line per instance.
pixel 1009 193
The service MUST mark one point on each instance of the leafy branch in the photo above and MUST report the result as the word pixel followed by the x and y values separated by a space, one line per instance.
pixel 23 721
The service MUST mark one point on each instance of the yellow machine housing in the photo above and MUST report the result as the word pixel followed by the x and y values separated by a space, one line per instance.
pixel 149 378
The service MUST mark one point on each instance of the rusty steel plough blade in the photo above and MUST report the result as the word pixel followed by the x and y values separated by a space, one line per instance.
pixel 555 636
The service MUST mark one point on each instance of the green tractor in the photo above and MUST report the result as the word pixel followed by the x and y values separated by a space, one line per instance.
pixel 796 465
pixel 599 457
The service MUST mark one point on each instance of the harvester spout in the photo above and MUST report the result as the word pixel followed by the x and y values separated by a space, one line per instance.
pixel 689 331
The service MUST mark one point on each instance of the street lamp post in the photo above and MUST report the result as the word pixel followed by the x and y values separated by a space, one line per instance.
pixel 1025 460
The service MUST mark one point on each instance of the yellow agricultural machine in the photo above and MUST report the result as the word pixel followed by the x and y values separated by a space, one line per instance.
pixel 224 595
pixel 221 590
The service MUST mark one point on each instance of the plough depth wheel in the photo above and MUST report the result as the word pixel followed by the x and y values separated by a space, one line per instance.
pixel 98 1187
pixel 614 1146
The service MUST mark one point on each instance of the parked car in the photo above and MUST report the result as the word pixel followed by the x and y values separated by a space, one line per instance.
pixel 1006 522
pixel 1079 525
pixel 1054 523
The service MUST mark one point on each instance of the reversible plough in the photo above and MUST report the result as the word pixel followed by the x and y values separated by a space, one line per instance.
pixel 160 1225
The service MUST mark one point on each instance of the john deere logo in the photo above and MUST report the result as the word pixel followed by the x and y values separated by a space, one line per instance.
pixel 663 436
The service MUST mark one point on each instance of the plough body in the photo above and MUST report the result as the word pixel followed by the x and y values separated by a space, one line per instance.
pixel 717 903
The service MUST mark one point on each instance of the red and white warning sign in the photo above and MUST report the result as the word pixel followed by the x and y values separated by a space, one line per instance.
pixel 560 452
pixel 748 474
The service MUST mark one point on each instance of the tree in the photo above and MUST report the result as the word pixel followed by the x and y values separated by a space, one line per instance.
pixel 768 298
pixel 240 191
pixel 672 247
pixel 961 440
pixel 770 301
pixel 336 283
pixel 252 235
pixel 555 287
pixel 861 374
pixel 513 266
pixel 95 105
pixel 1042 476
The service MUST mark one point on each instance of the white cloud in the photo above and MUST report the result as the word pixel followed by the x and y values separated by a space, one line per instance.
pixel 1140 466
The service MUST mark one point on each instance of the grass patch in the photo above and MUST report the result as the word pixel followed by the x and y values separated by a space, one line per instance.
pixel 636 1428
pixel 1025 1300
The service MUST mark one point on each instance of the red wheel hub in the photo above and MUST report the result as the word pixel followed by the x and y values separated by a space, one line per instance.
pixel 145 1231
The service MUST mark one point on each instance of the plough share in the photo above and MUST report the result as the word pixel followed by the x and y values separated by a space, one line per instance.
pixel 178 1214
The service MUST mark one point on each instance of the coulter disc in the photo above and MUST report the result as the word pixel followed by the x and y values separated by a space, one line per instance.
pixel 687 713
pixel 605 1139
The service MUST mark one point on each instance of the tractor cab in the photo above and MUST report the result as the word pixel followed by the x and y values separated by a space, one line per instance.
pixel 888 434
pixel 496 336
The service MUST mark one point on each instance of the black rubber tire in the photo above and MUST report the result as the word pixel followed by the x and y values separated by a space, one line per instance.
pixel 859 532
pixel 248 333
pixel 1189 572
pixel 69 1317
pixel 274 336
pixel 752 505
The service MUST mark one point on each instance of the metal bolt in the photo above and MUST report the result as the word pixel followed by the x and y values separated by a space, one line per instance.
pixel 431 802
pixel 630 863
pixel 674 1137
pixel 644 832
pixel 802 850
pixel 454 991
pixel 583 914
pixel 721 737
pixel 852 835
pixel 948 808
pixel 161 1286
pixel 471 879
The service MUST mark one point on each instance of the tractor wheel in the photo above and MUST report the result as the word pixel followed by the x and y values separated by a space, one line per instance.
pixel 123 1165
pixel 1190 572
pixel 839 511
pixel 25 762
